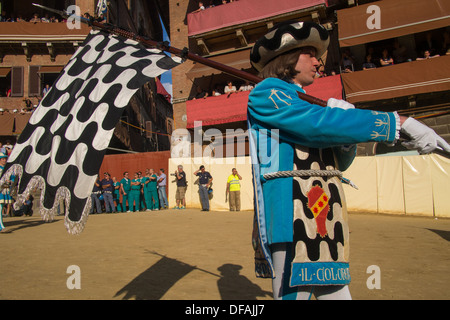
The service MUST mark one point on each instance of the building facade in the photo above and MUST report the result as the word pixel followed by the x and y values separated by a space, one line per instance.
pixel 34 51
pixel 225 32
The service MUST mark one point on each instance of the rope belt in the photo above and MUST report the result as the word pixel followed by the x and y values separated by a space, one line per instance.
pixel 309 173
pixel 303 173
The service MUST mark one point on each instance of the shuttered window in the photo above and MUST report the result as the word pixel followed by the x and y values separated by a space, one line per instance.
pixel 17 82
pixel 34 82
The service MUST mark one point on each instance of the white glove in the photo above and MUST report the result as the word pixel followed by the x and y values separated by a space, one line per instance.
pixel 342 104
pixel 423 138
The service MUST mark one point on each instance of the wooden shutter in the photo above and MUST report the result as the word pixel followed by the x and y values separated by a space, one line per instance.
pixel 34 82
pixel 17 82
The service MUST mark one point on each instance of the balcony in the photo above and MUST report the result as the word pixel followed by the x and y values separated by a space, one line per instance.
pixel 233 108
pixel 39 38
pixel 405 79
pixel 238 24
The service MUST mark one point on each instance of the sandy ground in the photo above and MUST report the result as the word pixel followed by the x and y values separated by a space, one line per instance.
pixel 188 254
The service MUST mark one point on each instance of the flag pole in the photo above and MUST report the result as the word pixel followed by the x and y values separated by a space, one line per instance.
pixel 184 53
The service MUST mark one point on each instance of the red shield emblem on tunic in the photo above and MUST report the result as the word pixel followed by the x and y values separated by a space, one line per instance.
pixel 318 204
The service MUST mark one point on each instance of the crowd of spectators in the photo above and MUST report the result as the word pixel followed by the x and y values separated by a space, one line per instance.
pixel 202 5
pixel 28 106
pixel 218 90
pixel 143 193
pixel 37 18
pixel 395 53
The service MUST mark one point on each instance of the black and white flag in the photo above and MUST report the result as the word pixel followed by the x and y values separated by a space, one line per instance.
pixel 62 147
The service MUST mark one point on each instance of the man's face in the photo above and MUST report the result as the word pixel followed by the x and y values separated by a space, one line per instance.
pixel 307 64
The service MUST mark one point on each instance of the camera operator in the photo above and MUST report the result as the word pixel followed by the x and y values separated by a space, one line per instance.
pixel 204 180
pixel 181 188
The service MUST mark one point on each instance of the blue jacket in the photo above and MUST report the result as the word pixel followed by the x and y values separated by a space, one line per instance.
pixel 278 120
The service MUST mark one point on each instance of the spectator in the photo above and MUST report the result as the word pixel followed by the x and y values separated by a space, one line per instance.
pixel 246 87
pixel 162 182
pixel 229 88
pixel 108 190
pixel 181 188
pixel 5 196
pixel 234 190
pixel 200 94
pixel 96 193
pixel 386 59
pixel 45 18
pixel 101 18
pixel 45 90
pixel 116 195
pixel 320 73
pixel 35 18
pixel 3 17
pixel 427 55
pixel 429 44
pixel 347 61
pixel 8 147
pixel 216 92
pixel 400 53
pixel 26 208
pixel 211 4
pixel 368 64
pixel 125 188
pixel 135 192
pixel 201 7
pixel 204 184
pixel 151 190
pixel 141 191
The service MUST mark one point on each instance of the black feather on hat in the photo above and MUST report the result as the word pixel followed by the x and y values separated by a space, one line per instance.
pixel 286 37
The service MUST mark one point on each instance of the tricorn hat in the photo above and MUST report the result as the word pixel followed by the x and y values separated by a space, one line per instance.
pixel 286 37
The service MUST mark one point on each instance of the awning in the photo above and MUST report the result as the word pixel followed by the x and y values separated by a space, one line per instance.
pixel 224 109
pixel 238 60
pixel 217 110
pixel 240 12
pixel 409 78
pixel 397 18
pixel 326 88
pixel 13 123
pixel 4 72
pixel 50 69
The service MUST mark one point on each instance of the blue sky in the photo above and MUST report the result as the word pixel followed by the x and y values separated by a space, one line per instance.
pixel 166 77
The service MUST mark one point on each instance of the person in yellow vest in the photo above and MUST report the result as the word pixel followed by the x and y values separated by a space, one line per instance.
pixel 234 190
